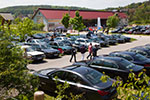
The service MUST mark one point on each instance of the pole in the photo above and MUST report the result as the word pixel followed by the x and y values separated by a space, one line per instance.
pixel 39 95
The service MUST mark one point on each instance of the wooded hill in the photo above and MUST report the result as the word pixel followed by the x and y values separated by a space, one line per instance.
pixel 25 10
pixel 138 13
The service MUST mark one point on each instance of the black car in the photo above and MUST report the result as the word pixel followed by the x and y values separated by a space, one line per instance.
pixel 112 66
pixel 133 57
pixel 141 50
pixel 80 79
pixel 48 51
pixel 61 47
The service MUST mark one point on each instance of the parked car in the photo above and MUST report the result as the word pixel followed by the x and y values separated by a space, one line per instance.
pixel 86 42
pixel 31 54
pixel 147 32
pixel 80 79
pixel 143 51
pixel 118 38
pixel 111 40
pixel 102 43
pixel 112 66
pixel 61 47
pixel 133 57
pixel 39 36
pixel 47 49
pixel 35 41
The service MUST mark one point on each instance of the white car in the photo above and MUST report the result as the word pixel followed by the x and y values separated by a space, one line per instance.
pixel 31 54
pixel 86 42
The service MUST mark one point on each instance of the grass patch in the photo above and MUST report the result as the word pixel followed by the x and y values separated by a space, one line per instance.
pixel 133 39
pixel 37 31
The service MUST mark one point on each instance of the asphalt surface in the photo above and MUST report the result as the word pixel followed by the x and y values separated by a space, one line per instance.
pixel 64 60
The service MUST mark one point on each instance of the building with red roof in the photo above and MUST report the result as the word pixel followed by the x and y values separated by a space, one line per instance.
pixel 52 17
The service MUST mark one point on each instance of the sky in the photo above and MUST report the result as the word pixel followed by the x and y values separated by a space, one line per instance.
pixel 94 4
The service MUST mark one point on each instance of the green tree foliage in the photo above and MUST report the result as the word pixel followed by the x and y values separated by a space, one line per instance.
pixel 38 26
pixel 15 80
pixel 136 88
pixel 65 20
pixel 61 88
pixel 112 21
pixel 23 28
pixel 77 22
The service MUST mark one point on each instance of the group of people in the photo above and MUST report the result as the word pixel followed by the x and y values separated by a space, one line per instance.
pixel 92 50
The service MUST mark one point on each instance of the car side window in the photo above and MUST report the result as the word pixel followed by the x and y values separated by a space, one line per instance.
pixel 71 77
pixel 32 41
pixel 59 74
pixel 97 62
pixel 109 64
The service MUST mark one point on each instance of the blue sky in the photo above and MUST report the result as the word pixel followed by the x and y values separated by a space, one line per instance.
pixel 94 4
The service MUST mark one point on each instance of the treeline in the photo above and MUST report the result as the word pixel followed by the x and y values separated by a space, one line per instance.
pixel 138 13
pixel 26 10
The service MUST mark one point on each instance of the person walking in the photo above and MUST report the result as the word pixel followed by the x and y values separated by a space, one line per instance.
pixel 73 54
pixel 82 50
pixel 95 49
pixel 90 51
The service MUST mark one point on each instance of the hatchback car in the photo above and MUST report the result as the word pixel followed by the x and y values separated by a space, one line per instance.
pixel 80 79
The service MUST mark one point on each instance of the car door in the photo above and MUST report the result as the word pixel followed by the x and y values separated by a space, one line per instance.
pixel 76 84
pixel 50 84
pixel 109 67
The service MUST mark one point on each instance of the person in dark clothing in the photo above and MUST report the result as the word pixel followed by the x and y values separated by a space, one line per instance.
pixel 52 38
pixel 73 54
pixel 82 50
pixel 95 49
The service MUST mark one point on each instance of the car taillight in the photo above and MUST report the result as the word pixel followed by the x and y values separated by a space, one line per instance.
pixel 102 93
pixel 147 65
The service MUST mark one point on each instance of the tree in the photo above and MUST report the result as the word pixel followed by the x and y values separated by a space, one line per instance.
pixel 15 80
pixel 65 20
pixel 112 22
pixel 77 22
pixel 23 28
pixel 136 88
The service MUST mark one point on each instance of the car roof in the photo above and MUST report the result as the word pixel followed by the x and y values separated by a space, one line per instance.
pixel 78 69
pixel 116 59
pixel 25 46
pixel 126 52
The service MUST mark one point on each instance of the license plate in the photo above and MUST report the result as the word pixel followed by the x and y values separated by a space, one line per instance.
pixel 39 58
pixel 55 54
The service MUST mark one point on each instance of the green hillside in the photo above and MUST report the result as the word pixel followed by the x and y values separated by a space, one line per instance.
pixel 25 10
pixel 138 13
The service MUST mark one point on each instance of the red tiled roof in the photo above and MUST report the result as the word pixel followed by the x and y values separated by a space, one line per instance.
pixel 58 14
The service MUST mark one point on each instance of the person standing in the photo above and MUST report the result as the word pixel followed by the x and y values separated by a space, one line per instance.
pixel 95 49
pixel 90 51
pixel 82 50
pixel 73 54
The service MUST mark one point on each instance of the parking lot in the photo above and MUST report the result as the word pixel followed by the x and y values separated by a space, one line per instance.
pixel 64 60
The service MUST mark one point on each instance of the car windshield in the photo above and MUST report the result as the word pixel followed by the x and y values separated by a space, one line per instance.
pixel 88 40
pixel 125 64
pixel 80 40
pixel 29 49
pixel 61 44
pixel 140 57
pixel 44 47
pixel 93 76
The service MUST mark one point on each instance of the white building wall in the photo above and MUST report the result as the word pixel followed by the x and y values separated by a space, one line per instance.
pixel 39 18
